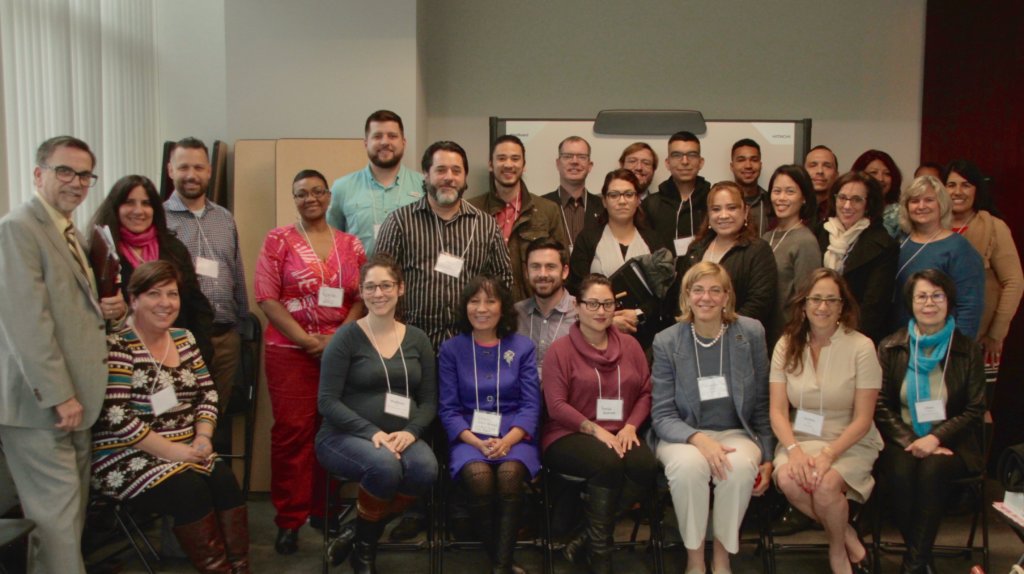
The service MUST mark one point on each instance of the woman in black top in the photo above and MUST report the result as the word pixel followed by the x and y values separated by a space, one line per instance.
pixel 378 395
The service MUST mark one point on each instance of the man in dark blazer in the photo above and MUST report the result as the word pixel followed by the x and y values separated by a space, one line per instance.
pixel 579 207
pixel 53 371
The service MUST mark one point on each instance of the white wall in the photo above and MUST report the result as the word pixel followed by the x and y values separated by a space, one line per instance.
pixel 191 70
pixel 855 68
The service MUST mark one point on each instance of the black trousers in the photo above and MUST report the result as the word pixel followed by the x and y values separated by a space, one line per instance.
pixel 191 495
pixel 584 456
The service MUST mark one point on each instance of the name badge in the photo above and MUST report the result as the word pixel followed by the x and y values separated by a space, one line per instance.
pixel 808 422
pixel 376 230
pixel 330 297
pixel 397 405
pixel 163 400
pixel 712 387
pixel 206 267
pixel 609 409
pixel 486 423
pixel 681 244
pixel 930 411
pixel 449 264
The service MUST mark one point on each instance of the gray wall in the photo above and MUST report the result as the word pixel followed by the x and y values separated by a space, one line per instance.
pixel 855 68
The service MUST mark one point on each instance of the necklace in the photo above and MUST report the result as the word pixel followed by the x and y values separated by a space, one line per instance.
pixel 713 341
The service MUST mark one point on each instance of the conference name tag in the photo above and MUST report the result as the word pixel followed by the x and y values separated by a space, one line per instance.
pixel 449 264
pixel 681 244
pixel 712 388
pixel 930 411
pixel 206 267
pixel 397 405
pixel 163 400
pixel 808 422
pixel 486 423
pixel 609 409
pixel 331 297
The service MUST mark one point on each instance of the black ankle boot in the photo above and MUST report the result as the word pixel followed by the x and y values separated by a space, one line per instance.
pixel 364 550
pixel 599 509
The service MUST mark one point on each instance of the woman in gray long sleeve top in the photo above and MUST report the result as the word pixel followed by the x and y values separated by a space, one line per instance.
pixel 710 413
pixel 378 394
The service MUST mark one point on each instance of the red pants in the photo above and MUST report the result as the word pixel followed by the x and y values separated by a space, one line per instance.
pixel 296 478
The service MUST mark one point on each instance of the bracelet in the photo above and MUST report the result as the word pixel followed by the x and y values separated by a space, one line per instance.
pixel 827 451
pixel 791 447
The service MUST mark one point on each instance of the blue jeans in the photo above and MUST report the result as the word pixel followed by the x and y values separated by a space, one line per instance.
pixel 377 469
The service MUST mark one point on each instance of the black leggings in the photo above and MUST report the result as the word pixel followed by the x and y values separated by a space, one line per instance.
pixel 191 495
pixel 584 456
pixel 918 490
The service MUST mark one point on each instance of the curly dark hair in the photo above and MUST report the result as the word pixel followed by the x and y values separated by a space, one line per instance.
pixel 509 321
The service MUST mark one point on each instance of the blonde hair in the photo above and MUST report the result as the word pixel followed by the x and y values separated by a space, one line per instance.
pixel 696 273
pixel 919 187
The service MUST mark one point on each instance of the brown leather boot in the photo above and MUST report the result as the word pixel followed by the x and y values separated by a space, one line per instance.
pixel 203 543
pixel 234 523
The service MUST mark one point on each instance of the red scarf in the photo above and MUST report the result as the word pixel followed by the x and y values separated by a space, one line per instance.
pixel 146 241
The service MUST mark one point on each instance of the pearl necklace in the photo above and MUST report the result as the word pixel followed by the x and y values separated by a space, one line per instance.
pixel 721 331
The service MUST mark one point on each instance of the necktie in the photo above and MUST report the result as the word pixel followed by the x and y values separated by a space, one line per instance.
pixel 69 235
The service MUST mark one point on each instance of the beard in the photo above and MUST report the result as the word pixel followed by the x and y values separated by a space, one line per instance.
pixel 546 288
pixel 191 193
pixel 446 199
pixel 385 164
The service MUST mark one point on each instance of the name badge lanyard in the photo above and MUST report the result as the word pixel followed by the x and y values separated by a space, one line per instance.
pixel 320 268
pixel 945 363
pixel 916 253
pixel 784 235
pixel 721 354
pixel 821 387
pixel 557 327
pixel 679 211
pixel 401 353
pixel 497 387
pixel 440 240
pixel 609 409
pixel 158 409
pixel 204 243
pixel 681 244
pixel 565 222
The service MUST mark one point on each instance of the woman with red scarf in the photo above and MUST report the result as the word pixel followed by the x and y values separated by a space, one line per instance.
pixel 135 216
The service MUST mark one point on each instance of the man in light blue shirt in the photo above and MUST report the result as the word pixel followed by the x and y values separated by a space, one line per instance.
pixel 362 200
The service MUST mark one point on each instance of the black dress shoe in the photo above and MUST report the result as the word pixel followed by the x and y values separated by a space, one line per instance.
pixel 865 564
pixel 791 522
pixel 341 546
pixel 407 529
pixel 287 541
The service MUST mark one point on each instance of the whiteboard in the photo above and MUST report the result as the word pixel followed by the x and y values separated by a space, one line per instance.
pixel 782 142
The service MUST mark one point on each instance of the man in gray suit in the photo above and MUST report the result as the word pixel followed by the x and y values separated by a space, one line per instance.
pixel 53 353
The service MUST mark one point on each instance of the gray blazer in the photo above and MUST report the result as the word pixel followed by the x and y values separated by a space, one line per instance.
pixel 52 335
pixel 675 408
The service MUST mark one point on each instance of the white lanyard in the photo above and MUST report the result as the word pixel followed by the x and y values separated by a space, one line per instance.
pixel 159 365
pixel 945 363
pixel 497 386
pixel 721 349
pixel 919 250
pixel 320 269
pixel 557 328
pixel 821 387
pixel 401 353
pixel 784 235
pixel 565 222
pixel 440 241
pixel 679 210
pixel 601 396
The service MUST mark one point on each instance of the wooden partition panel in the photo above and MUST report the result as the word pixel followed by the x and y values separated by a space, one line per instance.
pixel 262 176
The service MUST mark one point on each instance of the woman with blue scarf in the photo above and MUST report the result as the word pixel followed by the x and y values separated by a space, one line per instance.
pixel 929 413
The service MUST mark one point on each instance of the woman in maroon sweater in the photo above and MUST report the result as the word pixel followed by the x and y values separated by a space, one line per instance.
pixel 597 389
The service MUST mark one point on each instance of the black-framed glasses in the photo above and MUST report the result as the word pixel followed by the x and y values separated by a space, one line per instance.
pixel 66 175
pixel 594 304
pixel 386 287
pixel 616 195
pixel 690 155
pixel 317 193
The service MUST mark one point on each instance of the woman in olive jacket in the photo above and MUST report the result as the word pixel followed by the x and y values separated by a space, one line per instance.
pixel 925 365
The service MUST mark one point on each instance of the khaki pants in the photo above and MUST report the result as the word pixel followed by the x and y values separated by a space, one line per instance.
pixel 227 352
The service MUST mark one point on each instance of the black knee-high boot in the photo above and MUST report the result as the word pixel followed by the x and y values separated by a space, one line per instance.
pixel 509 507
pixel 599 509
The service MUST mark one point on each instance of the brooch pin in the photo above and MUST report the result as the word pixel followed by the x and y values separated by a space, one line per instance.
pixel 509 355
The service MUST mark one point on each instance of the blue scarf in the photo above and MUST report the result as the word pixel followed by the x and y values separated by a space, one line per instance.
pixel 918 387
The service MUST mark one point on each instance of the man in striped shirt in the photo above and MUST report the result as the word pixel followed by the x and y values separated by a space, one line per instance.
pixel 442 242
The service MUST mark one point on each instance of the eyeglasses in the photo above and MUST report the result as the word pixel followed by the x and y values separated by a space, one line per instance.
pixel 594 304
pixel 633 161
pixel 853 199
pixel 678 155
pixel 572 156
pixel 317 193
pixel 816 301
pixel 66 175
pixel 922 298
pixel 714 292
pixel 386 287
pixel 616 195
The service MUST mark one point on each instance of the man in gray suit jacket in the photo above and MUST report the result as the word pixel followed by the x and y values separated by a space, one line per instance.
pixel 53 353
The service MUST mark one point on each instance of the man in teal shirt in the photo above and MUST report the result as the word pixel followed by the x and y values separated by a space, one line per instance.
pixel 362 200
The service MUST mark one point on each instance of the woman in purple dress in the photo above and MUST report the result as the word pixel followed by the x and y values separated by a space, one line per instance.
pixel 490 408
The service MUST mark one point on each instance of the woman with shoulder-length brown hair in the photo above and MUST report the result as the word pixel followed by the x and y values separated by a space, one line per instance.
pixel 824 381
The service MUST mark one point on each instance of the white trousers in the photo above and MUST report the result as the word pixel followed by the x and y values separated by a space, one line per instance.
pixel 689 482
